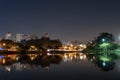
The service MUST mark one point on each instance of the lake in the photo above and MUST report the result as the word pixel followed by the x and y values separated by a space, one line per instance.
pixel 63 66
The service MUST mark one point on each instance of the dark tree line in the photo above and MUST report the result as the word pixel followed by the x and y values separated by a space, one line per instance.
pixel 41 44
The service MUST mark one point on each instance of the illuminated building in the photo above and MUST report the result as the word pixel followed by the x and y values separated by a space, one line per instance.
pixel 8 36
pixel 19 37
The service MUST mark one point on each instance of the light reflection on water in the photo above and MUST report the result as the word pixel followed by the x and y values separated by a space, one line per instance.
pixel 59 65
pixel 20 62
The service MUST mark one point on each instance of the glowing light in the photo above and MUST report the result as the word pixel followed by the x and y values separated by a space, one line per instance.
pixel 48 50
pixel 105 58
pixel 81 57
pixel 1 49
pixel 65 56
pixel 81 45
pixel 4 44
pixel 3 61
pixel 1 57
pixel 104 64
pixel 103 40
pixel 104 44
pixel 32 58
pixel 8 69
pixel 85 56
pixel 48 54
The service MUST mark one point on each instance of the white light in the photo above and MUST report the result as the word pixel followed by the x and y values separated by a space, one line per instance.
pixel 48 50
pixel 81 57
pixel 8 69
pixel 103 40
pixel 48 54
pixel 104 63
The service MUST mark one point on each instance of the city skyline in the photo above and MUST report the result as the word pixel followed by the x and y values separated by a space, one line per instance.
pixel 67 20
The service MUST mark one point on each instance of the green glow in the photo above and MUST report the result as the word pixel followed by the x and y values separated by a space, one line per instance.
pixel 103 58
pixel 104 44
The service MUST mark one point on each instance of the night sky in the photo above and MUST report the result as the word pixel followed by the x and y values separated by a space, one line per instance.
pixel 64 19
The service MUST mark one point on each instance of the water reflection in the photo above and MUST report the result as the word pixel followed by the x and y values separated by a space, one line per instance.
pixel 104 62
pixel 20 62
pixel 75 57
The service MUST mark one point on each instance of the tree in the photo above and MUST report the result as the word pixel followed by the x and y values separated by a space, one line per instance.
pixel 55 44
pixel 6 44
pixel 105 38
pixel 104 43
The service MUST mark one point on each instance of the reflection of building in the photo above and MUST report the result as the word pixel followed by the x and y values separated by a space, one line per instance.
pixel 1 37
pixel 8 68
pixel 20 67
pixel 8 36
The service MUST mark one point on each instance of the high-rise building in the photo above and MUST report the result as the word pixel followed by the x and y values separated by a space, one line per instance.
pixel 26 37
pixel 34 37
pixel 19 37
pixel 8 36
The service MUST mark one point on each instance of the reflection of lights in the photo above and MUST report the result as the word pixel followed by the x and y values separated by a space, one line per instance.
pixel 48 54
pixel 94 57
pixel 81 57
pixel 91 60
pixel 85 56
pixel 105 58
pixel 75 56
pixel 71 58
pixel 17 58
pixel 3 61
pixel 104 64
pixel 32 58
pixel 47 68
pixel 8 69
pixel 65 56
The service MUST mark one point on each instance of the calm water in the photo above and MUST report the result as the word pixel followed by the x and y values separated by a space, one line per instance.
pixel 67 66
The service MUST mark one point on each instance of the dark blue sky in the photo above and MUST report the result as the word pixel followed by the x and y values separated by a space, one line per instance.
pixel 63 19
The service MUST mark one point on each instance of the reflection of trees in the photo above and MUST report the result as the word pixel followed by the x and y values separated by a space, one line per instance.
pixel 31 61
pixel 45 60
pixel 106 65
pixel 56 59
pixel 8 61
pixel 104 62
